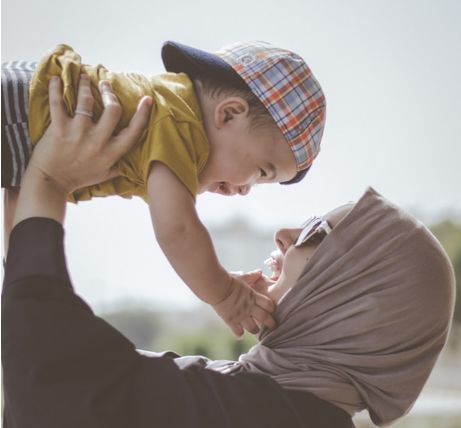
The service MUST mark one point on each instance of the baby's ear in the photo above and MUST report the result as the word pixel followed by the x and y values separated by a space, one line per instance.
pixel 230 108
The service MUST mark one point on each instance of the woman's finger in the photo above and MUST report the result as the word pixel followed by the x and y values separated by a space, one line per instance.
pixel 57 110
pixel 108 96
pixel 85 100
pixel 129 136
pixel 112 111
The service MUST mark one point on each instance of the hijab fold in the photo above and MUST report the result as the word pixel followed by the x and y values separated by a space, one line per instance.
pixel 365 322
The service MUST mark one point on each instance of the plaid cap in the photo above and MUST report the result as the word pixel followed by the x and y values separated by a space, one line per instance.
pixel 280 79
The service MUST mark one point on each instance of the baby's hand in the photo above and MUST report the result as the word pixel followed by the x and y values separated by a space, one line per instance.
pixel 262 284
pixel 245 308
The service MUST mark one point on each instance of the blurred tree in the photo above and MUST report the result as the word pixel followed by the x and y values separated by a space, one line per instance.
pixel 140 325
pixel 215 342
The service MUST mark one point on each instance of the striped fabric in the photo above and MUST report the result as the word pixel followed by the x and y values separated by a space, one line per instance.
pixel 16 76
pixel 286 86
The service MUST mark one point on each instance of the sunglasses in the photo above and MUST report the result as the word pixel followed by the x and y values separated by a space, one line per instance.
pixel 310 228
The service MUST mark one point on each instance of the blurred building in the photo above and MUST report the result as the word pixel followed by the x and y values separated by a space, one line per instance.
pixel 241 246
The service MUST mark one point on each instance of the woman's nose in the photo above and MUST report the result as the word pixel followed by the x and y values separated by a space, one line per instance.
pixel 282 240
pixel 285 238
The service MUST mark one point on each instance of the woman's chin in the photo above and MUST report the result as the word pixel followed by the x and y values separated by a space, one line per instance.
pixel 278 289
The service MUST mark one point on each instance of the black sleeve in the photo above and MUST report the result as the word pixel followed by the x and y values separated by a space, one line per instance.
pixel 62 365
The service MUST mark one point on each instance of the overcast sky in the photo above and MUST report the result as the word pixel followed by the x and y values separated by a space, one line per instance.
pixel 391 72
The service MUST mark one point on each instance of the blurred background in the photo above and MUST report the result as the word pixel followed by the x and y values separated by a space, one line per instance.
pixel 391 74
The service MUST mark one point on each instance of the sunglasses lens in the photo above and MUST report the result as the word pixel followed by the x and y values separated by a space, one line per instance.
pixel 309 228
pixel 301 237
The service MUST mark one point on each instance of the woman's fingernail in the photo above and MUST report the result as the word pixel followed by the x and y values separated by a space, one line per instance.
pixel 106 98
pixel 104 85
pixel 145 100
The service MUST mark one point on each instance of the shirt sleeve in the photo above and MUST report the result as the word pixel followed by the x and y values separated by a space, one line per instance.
pixel 36 249
pixel 172 144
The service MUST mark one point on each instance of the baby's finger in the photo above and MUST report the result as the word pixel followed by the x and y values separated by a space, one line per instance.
pixel 85 100
pixel 263 317
pixel 250 325
pixel 237 329
pixel 57 109
pixel 251 277
pixel 264 302
pixel 261 285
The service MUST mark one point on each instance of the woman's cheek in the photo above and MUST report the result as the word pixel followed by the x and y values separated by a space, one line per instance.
pixel 295 261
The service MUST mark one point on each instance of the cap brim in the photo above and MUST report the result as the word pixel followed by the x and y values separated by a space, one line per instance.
pixel 179 58
pixel 297 178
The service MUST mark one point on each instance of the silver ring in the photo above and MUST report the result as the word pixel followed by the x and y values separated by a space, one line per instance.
pixel 84 112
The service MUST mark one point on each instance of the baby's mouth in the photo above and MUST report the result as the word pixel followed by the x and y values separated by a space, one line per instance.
pixel 215 187
pixel 275 263
pixel 218 187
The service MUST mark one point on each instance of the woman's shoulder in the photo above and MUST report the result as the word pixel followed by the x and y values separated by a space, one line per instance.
pixel 254 400
pixel 318 412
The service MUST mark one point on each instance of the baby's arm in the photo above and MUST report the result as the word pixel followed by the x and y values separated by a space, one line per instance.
pixel 188 247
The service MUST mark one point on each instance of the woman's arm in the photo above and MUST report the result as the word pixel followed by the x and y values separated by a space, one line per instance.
pixel 62 365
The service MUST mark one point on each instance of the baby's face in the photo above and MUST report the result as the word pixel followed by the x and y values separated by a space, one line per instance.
pixel 241 157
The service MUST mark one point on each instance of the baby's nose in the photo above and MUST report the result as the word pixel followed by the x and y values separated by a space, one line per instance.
pixel 244 190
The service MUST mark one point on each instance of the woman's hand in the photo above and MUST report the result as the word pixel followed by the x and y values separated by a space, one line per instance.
pixel 76 152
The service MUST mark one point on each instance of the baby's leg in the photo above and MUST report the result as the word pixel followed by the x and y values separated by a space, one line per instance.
pixel 16 144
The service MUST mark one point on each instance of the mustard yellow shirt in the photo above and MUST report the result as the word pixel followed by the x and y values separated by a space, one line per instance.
pixel 175 135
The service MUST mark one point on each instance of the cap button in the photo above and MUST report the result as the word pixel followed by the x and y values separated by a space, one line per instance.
pixel 246 59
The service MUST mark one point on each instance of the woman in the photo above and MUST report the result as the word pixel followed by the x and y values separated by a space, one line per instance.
pixel 360 328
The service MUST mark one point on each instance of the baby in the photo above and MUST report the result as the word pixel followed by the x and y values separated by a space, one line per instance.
pixel 249 114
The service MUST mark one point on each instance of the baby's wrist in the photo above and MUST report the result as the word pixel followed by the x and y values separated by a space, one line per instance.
pixel 224 293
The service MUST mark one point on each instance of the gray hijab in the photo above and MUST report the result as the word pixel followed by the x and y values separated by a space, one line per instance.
pixel 365 322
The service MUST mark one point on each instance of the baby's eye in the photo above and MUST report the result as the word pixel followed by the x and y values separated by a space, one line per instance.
pixel 262 173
